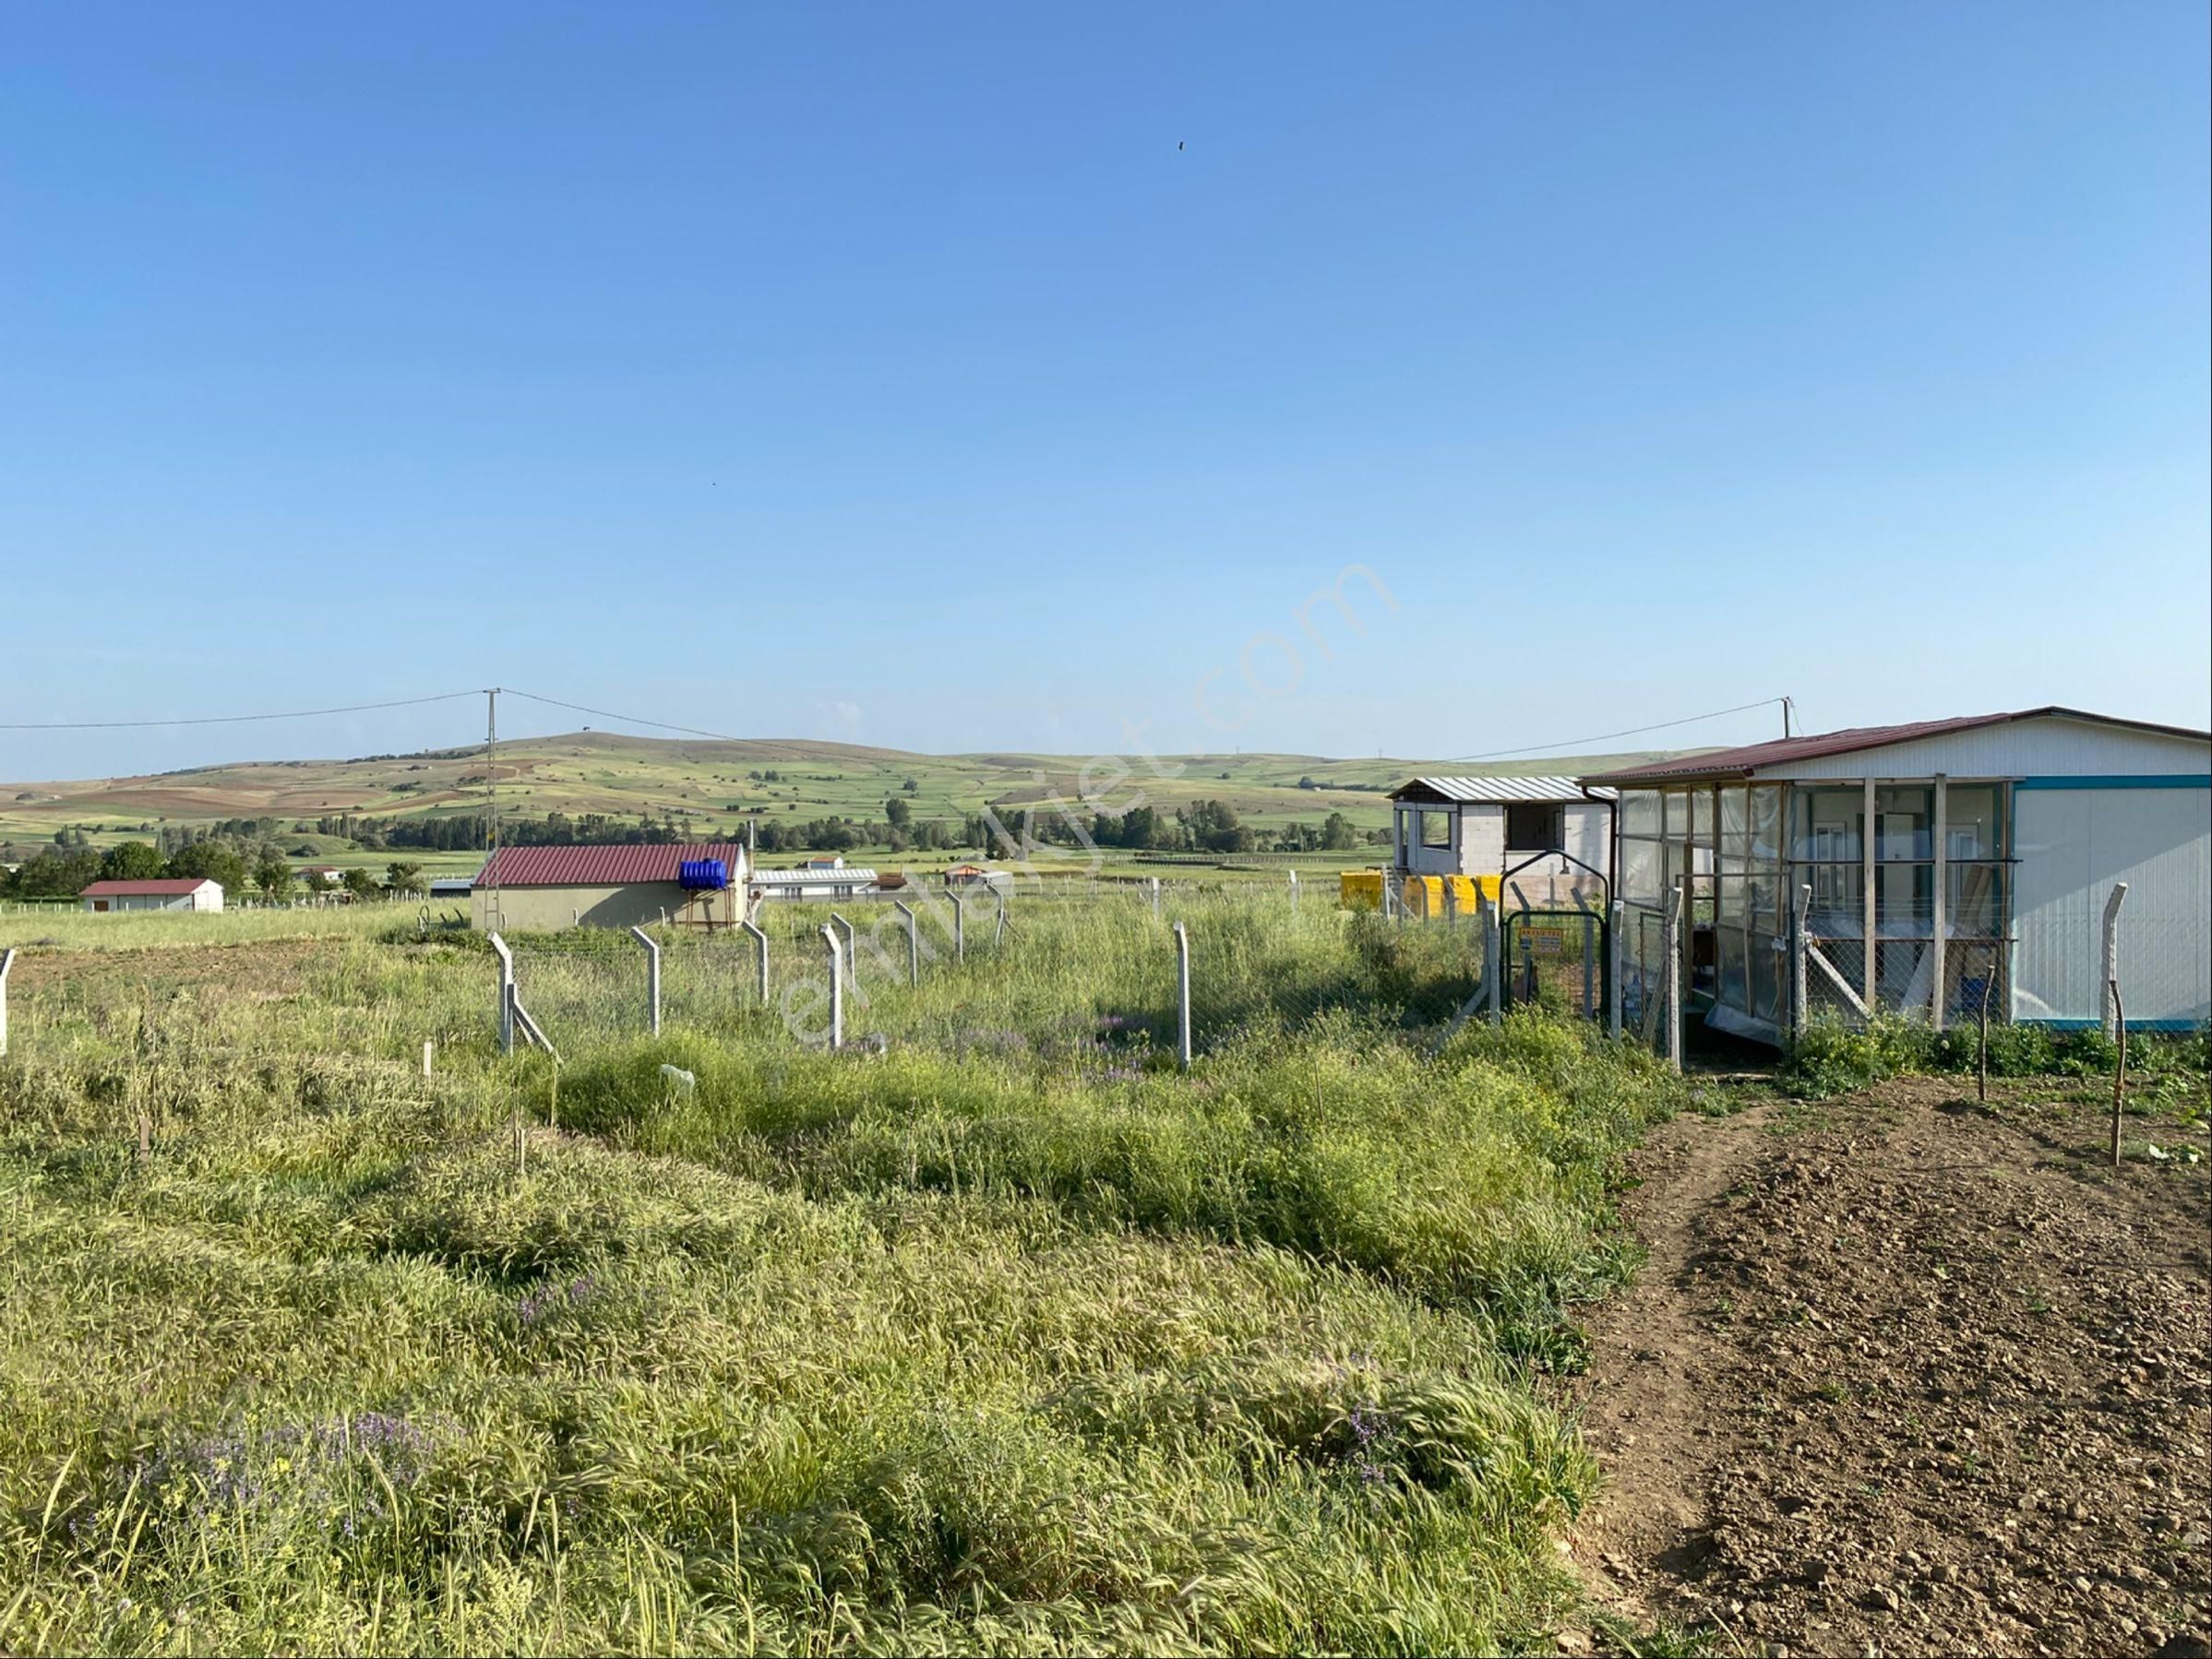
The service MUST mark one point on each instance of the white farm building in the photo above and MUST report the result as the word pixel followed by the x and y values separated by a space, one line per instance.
pixel 1496 826
pixel 180 892
pixel 1933 863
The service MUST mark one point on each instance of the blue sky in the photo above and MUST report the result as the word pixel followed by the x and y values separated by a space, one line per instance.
pixel 889 374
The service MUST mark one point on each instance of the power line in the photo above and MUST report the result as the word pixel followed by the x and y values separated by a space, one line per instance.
pixel 627 720
pixel 1572 743
pixel 223 720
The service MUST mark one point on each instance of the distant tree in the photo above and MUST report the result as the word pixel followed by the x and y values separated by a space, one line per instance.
pixel 211 860
pixel 130 861
pixel 402 877
pixel 1338 834
pixel 360 883
pixel 897 813
pixel 272 875
pixel 913 786
pixel 56 874
pixel 1308 783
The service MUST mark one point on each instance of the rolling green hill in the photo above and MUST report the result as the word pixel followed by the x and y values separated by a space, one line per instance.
pixel 715 786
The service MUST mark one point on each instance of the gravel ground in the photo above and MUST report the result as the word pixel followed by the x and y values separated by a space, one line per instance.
pixel 1906 1374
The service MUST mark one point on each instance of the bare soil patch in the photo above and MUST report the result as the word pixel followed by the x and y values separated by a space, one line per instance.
pixel 256 967
pixel 1904 1375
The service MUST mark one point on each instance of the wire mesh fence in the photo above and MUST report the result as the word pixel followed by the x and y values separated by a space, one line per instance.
pixel 1088 975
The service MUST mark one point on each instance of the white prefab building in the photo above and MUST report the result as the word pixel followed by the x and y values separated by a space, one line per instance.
pixel 1489 826
pixel 1935 866
pixel 180 892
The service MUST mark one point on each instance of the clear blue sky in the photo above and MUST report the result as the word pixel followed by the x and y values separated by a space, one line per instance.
pixel 889 373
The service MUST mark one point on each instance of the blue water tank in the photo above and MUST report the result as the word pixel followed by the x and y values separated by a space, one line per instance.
pixel 703 875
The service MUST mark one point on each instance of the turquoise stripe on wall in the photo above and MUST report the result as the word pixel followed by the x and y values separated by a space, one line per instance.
pixel 2143 781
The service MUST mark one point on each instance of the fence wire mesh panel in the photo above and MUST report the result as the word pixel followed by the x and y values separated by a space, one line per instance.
pixel 583 988
pixel 1555 959
pixel 1643 975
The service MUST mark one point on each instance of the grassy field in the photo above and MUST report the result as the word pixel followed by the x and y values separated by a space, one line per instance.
pixel 714 784
pixel 1001 1334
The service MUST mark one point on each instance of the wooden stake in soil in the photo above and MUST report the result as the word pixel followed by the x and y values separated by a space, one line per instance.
pixel 2119 1070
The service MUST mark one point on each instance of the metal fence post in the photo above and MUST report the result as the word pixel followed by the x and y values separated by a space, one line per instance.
pixel 1800 942
pixel 1671 949
pixel 999 937
pixel 1450 904
pixel 837 989
pixel 1155 898
pixel 2111 956
pixel 506 993
pixel 653 978
pixel 7 960
pixel 960 925
pixel 852 956
pixel 760 944
pixel 1182 998
pixel 1589 965
pixel 1616 949
pixel 1493 967
pixel 913 942
pixel 1294 893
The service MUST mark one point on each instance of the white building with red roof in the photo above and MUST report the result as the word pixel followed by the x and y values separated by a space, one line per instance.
pixel 1932 869
pixel 178 892
pixel 540 890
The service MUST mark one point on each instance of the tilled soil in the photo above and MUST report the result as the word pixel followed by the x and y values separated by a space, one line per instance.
pixel 1905 1375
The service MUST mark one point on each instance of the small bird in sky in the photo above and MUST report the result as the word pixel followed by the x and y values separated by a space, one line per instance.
pixel 1178 144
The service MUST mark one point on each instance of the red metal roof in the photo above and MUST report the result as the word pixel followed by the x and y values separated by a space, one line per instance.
pixel 1743 762
pixel 595 867
pixel 168 887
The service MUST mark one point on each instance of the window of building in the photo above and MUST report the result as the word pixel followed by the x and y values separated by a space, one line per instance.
pixel 1535 827
pixel 1436 828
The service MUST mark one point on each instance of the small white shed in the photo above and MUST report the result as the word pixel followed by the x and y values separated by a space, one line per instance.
pixel 178 892
pixel 1487 826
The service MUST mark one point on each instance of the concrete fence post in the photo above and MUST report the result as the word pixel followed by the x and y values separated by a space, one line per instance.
pixel 760 949
pixel 1672 949
pixel 506 993
pixel 1155 898
pixel 7 960
pixel 1451 905
pixel 837 989
pixel 999 937
pixel 913 942
pixel 1183 997
pixel 2110 974
pixel 1616 962
pixel 1294 893
pixel 851 956
pixel 652 978
pixel 1493 966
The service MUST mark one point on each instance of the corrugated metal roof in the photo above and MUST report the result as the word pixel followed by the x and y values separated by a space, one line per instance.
pixel 166 887
pixel 1743 762
pixel 595 866
pixel 1491 791
pixel 849 875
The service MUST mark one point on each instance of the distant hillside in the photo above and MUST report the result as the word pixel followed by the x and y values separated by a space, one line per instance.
pixel 717 785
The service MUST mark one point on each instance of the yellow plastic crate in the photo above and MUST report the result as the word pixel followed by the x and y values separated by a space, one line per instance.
pixel 1425 895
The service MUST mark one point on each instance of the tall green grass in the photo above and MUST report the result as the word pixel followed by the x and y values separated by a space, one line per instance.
pixel 971 1345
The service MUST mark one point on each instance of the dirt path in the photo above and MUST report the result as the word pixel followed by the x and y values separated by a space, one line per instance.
pixel 1905 1375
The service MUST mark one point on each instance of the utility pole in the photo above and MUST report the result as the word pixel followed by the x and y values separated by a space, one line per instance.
pixel 491 787
pixel 1785 717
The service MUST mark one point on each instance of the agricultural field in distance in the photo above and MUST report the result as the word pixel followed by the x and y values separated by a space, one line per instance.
pixel 709 784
